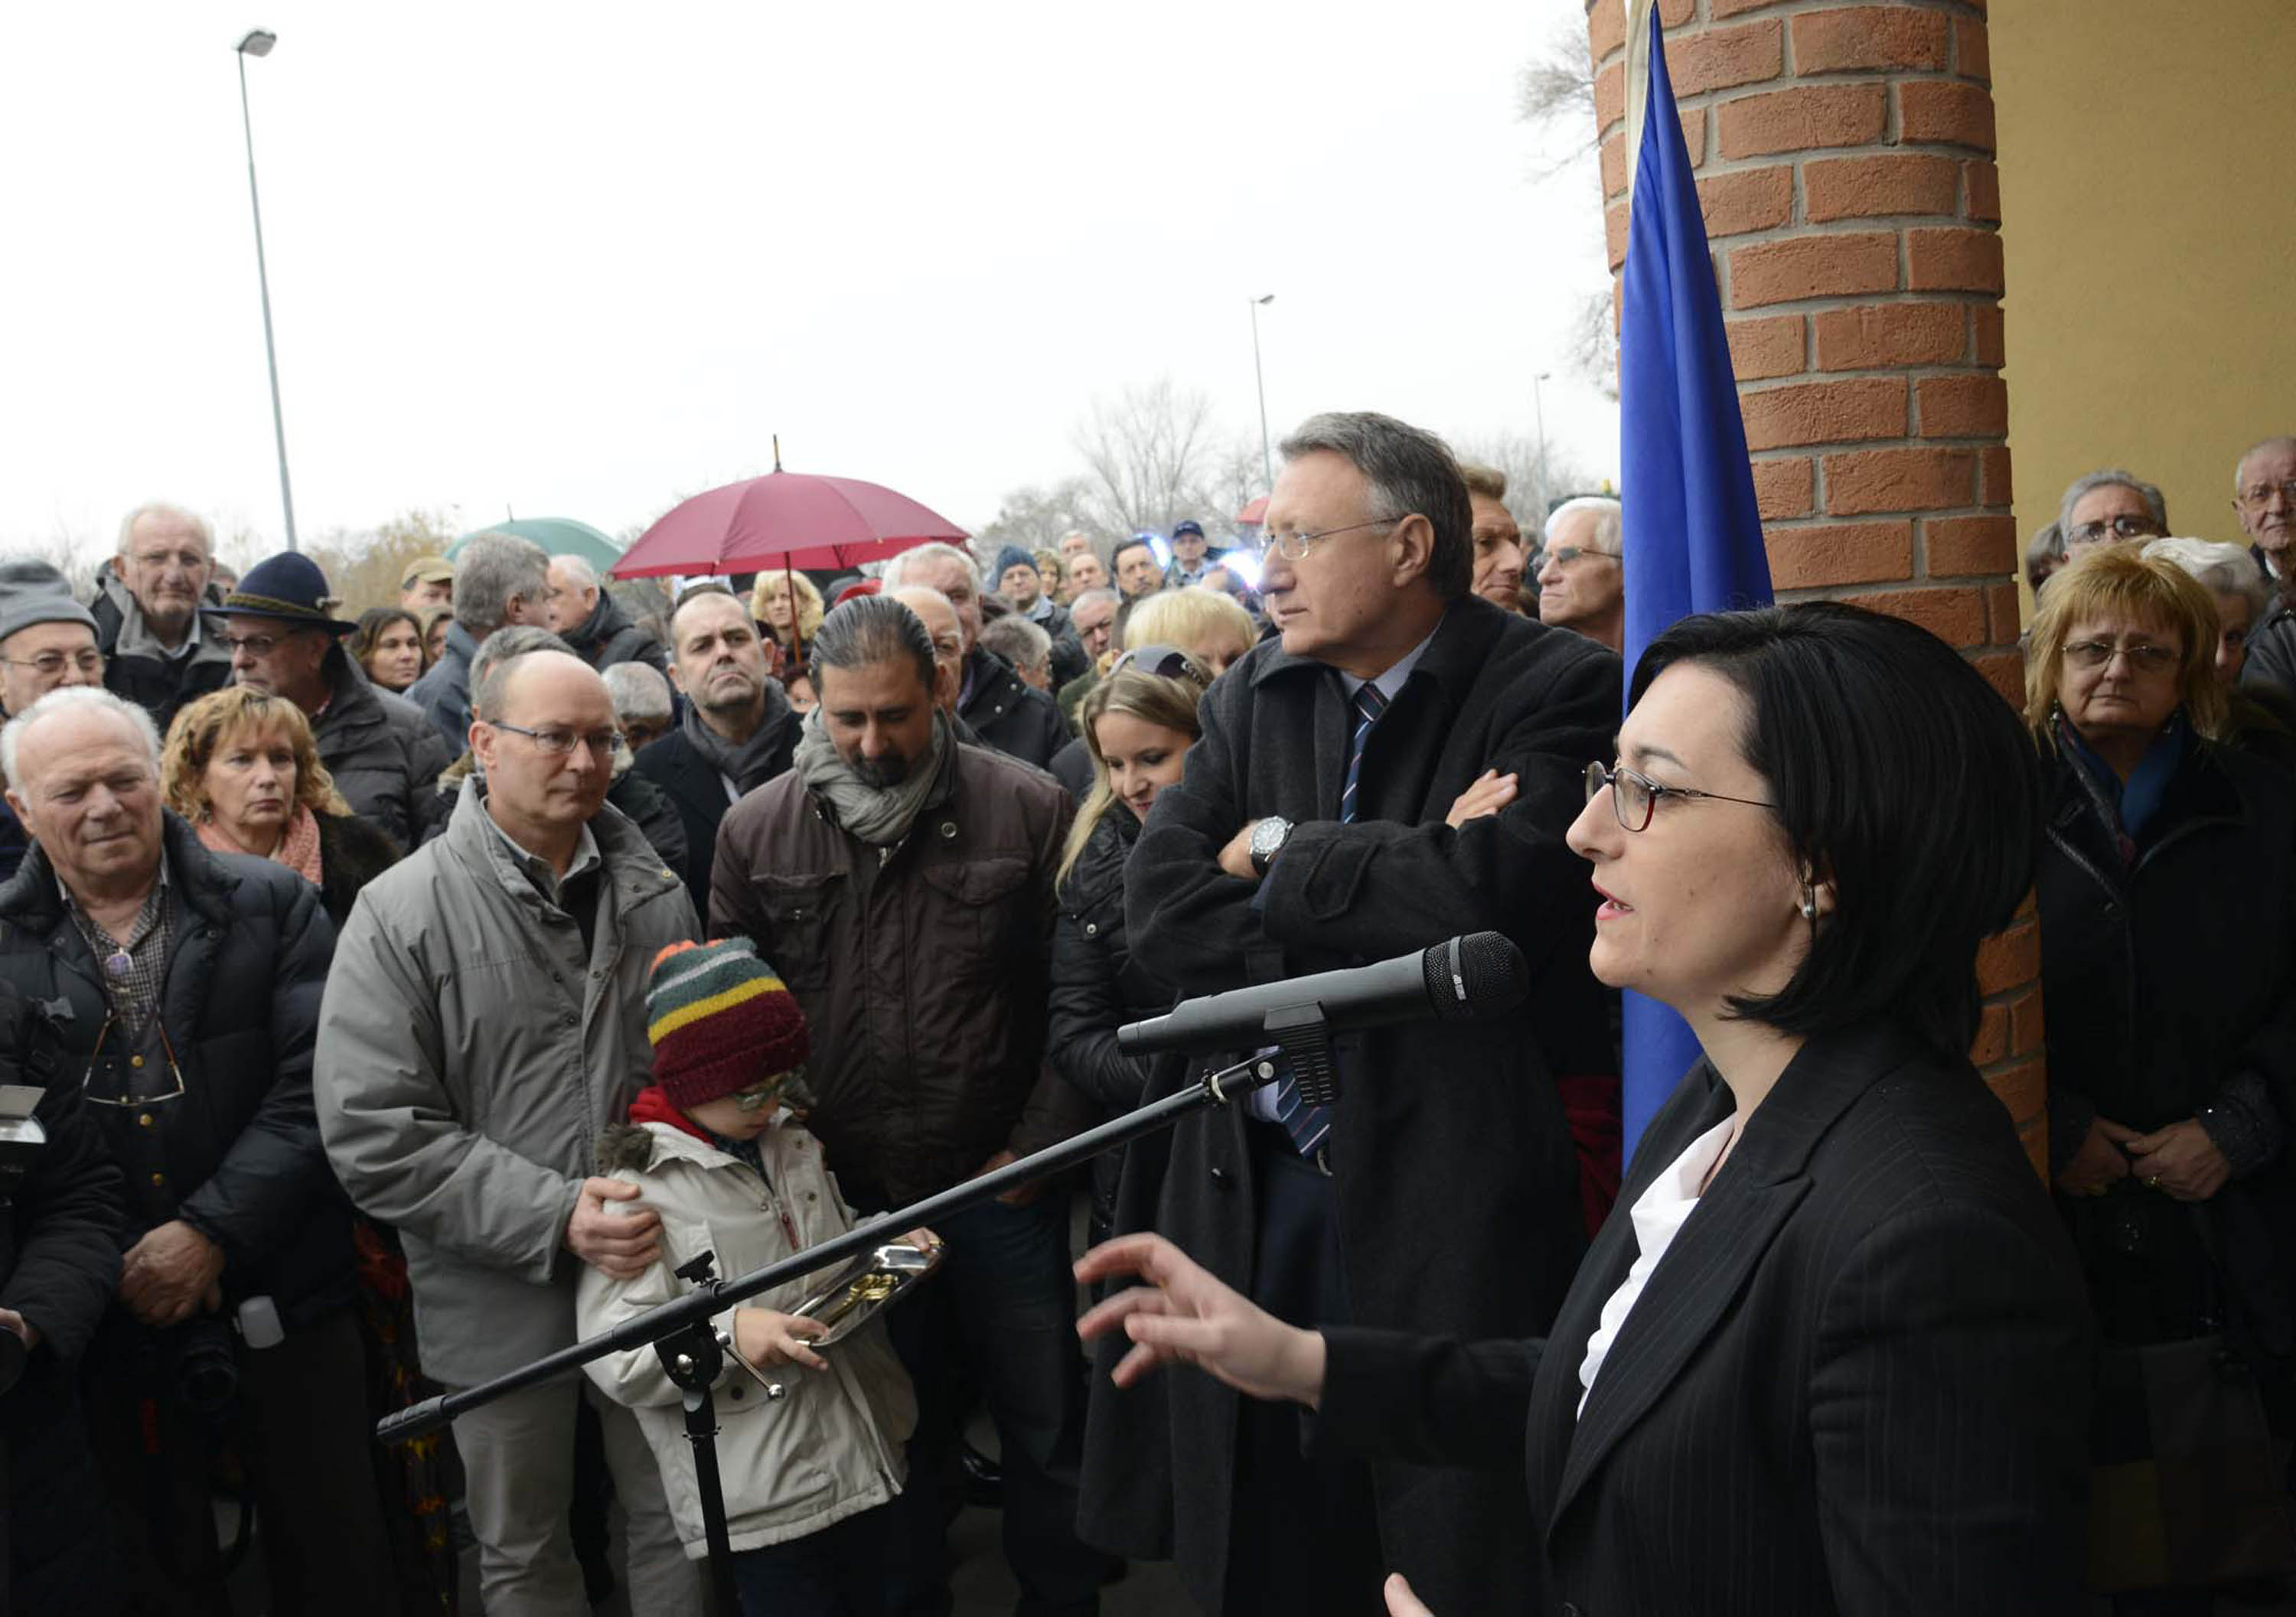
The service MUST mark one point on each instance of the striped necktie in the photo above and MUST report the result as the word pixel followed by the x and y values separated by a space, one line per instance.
pixel 1307 1124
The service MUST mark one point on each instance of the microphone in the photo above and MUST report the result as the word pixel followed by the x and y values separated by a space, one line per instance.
pixel 1480 974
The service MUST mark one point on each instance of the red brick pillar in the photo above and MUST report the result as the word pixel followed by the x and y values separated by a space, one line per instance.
pixel 1845 163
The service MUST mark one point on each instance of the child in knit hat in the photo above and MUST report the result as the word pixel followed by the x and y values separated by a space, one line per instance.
pixel 717 1153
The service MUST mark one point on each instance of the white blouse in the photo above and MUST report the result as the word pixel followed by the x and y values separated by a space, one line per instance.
pixel 1659 1214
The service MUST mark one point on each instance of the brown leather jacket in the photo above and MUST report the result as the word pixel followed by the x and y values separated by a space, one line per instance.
pixel 924 972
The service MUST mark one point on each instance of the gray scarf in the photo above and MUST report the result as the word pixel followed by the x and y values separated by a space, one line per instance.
pixel 747 766
pixel 879 817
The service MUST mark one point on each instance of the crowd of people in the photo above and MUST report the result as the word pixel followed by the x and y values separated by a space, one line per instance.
pixel 407 997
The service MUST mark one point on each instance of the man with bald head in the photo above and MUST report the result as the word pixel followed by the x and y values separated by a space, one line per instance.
pixel 182 987
pixel 1002 708
pixel 942 627
pixel 487 1021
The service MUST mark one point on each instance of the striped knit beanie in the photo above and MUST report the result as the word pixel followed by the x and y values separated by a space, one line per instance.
pixel 720 1020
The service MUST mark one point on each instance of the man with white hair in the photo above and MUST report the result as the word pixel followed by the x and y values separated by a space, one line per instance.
pixel 2107 506
pixel 1582 581
pixel 2264 499
pixel 185 986
pixel 586 615
pixel 991 698
pixel 147 618
pixel 499 580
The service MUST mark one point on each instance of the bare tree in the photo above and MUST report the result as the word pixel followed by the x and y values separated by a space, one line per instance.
pixel 1533 489
pixel 1592 354
pixel 1151 457
pixel 1034 517
pixel 1555 92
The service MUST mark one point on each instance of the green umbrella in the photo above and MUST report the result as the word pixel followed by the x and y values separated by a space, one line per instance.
pixel 557 535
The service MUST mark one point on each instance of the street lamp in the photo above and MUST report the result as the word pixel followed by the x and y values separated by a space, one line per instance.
pixel 258 42
pixel 1266 454
pixel 1539 404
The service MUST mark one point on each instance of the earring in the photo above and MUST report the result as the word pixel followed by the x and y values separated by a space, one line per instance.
pixel 1808 903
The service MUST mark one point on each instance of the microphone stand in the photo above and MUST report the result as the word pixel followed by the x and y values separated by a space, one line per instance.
pixel 692 1352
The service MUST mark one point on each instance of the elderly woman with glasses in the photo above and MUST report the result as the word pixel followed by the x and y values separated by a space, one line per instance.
pixel 1825 1358
pixel 2168 908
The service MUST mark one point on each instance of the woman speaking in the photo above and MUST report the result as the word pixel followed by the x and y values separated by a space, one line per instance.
pixel 1832 1354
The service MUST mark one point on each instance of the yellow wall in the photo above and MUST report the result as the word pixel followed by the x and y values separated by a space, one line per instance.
pixel 2149 230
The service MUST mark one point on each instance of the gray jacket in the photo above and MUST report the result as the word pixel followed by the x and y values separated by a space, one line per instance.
pixel 469 1054
pixel 384 754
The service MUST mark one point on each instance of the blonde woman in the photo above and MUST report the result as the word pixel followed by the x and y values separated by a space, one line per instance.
pixel 1138 726
pixel 769 604
pixel 1208 626
pixel 240 766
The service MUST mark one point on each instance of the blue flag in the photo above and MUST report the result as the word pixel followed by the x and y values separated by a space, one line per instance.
pixel 1694 535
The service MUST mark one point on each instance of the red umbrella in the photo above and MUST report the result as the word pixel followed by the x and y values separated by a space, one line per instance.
pixel 1253 514
pixel 786 518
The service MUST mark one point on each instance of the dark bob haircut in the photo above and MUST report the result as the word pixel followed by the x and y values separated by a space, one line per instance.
pixel 1897 771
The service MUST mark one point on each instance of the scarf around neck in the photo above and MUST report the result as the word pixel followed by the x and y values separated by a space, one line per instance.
pixel 750 764
pixel 298 850
pixel 879 817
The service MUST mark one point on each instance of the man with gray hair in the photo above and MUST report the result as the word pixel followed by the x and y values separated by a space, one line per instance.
pixel 147 618
pixel 584 613
pixel 642 702
pixel 1025 646
pixel 182 990
pixel 2109 505
pixel 1582 576
pixel 487 1020
pixel 500 578
pixel 1001 708
pixel 1400 766
pixel 1093 614
pixel 2264 499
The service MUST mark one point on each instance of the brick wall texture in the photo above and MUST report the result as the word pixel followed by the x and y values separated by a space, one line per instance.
pixel 1845 163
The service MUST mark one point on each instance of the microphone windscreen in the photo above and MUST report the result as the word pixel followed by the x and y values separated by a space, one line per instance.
pixel 1480 974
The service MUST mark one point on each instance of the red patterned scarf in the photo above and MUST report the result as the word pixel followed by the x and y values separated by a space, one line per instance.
pixel 298 850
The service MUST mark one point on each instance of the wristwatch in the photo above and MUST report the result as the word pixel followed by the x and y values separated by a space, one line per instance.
pixel 1267 839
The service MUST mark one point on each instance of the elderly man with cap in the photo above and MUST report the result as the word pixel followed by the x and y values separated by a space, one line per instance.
pixel 47 641
pixel 384 755
pixel 1018 581
pixel 147 618
pixel 1193 556
pixel 584 613
pixel 182 988
pixel 428 581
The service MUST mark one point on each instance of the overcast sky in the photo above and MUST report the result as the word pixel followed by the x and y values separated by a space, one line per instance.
pixel 580 260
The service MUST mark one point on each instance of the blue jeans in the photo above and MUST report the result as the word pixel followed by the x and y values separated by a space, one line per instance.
pixel 1000 1318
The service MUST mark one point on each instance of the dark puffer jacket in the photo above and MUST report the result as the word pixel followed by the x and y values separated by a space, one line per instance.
pixel 351 853
pixel 384 754
pixel 1097 988
pixel 238 1155
pixel 1007 714
pixel 608 636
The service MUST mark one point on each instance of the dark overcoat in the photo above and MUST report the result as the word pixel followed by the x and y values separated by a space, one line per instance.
pixel 1457 1183
pixel 1858 1380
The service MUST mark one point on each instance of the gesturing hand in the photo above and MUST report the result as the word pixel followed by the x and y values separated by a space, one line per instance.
pixel 619 1243
pixel 1184 1314
pixel 2180 1160
pixel 1490 792
pixel 1401 1601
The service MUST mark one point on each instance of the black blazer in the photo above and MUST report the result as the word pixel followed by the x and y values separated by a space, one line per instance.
pixel 1857 1382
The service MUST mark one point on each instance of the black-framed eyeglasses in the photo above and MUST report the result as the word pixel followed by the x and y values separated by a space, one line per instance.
pixel 561 744
pixel 1633 797
pixel 1164 662
pixel 2122 527
pixel 48 665
pixel 2256 494
pixel 167 1047
pixel 2144 657
pixel 1295 546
